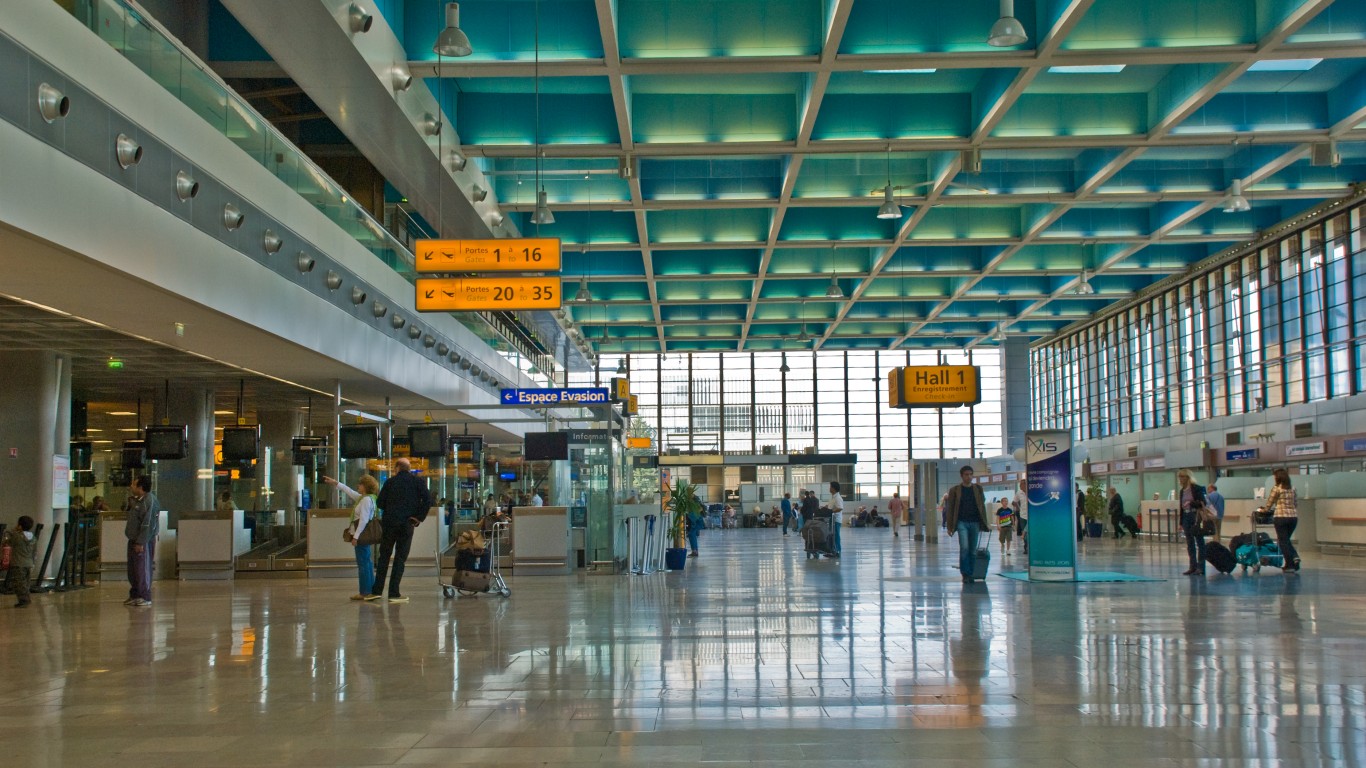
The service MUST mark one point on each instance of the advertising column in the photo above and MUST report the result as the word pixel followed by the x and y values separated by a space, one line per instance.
pixel 1052 509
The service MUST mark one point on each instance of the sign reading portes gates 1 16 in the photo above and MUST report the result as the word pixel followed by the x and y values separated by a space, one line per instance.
pixel 525 254
pixel 934 386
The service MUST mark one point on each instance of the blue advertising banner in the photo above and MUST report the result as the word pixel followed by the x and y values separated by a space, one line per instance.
pixel 1052 527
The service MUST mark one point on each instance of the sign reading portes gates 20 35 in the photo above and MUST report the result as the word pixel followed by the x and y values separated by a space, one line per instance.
pixel 934 386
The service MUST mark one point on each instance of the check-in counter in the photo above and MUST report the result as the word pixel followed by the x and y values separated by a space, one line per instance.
pixel 114 545
pixel 543 545
pixel 328 554
pixel 209 543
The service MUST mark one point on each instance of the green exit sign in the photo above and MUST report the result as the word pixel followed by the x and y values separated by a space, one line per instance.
pixel 115 365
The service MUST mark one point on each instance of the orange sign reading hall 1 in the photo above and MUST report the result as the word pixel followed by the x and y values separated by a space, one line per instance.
pixel 527 254
pixel 493 294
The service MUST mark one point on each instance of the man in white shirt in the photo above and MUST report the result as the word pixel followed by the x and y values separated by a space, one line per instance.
pixel 536 500
pixel 1021 504
pixel 836 506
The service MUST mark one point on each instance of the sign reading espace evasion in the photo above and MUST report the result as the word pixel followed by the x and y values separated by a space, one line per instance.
pixel 555 396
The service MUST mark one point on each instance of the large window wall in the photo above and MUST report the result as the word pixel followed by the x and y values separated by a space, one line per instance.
pixel 830 402
pixel 1280 323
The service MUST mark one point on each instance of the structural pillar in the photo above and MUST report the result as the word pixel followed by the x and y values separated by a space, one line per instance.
pixel 186 485
pixel 1016 389
pixel 35 438
pixel 277 482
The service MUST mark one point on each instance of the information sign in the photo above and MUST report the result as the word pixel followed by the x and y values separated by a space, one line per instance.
pixel 555 396
pixel 934 386
pixel 488 294
pixel 526 254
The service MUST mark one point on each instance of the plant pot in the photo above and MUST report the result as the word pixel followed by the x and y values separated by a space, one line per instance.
pixel 1095 530
pixel 675 558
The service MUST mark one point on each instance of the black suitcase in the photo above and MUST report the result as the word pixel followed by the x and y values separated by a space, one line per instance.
pixel 1220 557
pixel 1130 524
pixel 980 563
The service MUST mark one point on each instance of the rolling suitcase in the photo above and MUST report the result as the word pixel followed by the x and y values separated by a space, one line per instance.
pixel 1130 524
pixel 1220 557
pixel 981 563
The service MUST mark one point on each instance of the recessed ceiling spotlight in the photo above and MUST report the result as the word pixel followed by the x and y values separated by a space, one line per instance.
pixel 271 242
pixel 232 216
pixel 358 20
pixel 53 105
pixel 185 186
pixel 127 151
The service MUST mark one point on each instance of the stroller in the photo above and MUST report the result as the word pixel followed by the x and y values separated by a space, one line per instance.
pixel 818 539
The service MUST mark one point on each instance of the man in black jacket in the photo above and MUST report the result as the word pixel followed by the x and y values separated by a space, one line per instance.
pixel 403 502
pixel 1116 508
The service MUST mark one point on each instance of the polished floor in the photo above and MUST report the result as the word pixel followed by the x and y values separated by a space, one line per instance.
pixel 753 656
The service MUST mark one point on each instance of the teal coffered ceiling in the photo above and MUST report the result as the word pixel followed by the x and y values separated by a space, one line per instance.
pixel 714 164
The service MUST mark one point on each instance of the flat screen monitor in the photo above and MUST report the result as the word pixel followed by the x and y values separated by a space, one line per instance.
pixel 427 441
pixel 81 453
pixel 546 446
pixel 241 443
pixel 134 455
pixel 167 443
pixel 507 476
pixel 120 478
pixel 304 448
pixel 359 442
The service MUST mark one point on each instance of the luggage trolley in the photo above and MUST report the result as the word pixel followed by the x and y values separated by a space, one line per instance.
pixel 1256 549
pixel 479 570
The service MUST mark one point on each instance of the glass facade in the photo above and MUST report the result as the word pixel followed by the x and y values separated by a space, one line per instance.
pixel 1279 323
pixel 827 402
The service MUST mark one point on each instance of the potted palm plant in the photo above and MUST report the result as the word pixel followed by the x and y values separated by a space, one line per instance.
pixel 1094 507
pixel 682 504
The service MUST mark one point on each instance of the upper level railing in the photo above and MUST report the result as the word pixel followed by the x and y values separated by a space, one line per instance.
pixel 158 54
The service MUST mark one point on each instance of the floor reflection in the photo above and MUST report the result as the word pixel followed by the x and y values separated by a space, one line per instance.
pixel 752 654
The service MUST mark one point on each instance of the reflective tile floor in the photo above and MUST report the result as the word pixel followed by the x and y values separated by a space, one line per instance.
pixel 753 656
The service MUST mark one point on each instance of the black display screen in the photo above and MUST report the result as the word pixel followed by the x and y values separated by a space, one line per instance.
pixel 359 442
pixel 241 443
pixel 546 446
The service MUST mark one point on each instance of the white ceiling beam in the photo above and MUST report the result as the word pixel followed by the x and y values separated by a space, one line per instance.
pixel 904 145
pixel 749 65
pixel 621 100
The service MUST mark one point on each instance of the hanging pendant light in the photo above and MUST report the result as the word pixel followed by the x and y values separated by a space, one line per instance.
pixel 452 41
pixel 542 215
pixel 1236 202
pixel 1007 30
pixel 889 209
pixel 833 291
pixel 583 295
pixel 1084 287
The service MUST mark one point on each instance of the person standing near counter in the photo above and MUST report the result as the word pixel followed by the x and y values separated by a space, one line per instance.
pixel 1285 516
pixel 141 530
pixel 1216 501
pixel 1192 497
pixel 361 515
pixel 403 503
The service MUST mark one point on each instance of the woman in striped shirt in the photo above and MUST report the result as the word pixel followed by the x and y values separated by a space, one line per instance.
pixel 1286 516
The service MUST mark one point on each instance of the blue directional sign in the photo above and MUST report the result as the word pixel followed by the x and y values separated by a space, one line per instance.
pixel 555 396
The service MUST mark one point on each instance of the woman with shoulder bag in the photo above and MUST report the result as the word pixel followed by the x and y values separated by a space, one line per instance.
pixel 1285 516
pixel 362 515
pixel 1192 498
